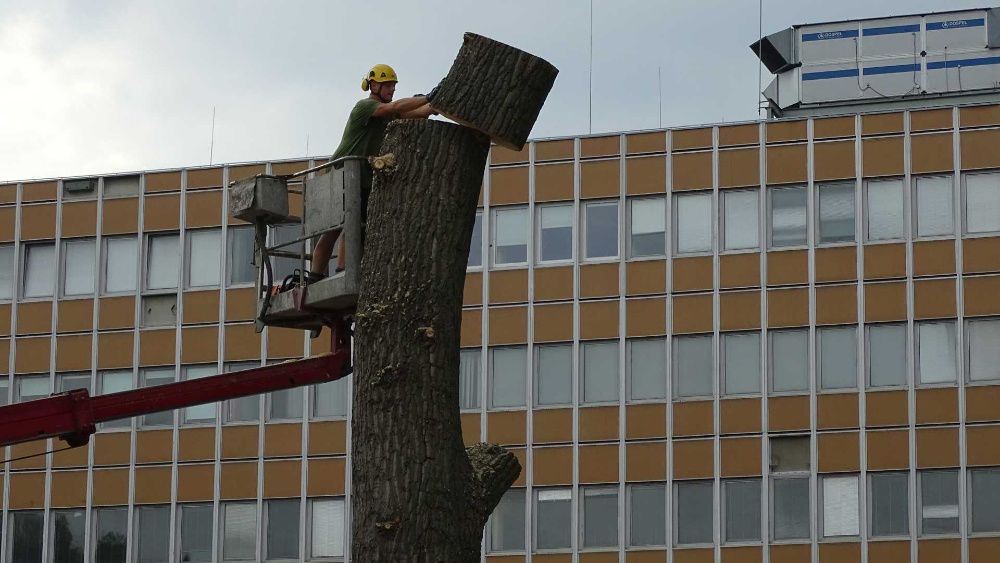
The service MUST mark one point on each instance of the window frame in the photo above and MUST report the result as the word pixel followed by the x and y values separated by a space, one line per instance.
pixel 821 502
pixel 189 239
pixel 915 207
pixel 770 216
pixel 917 380
pixel 536 379
pixel 224 506
pixel 22 279
pixel 723 197
pixel 907 357
pixel 137 270
pixel 95 536
pixel 817 204
pixel 820 330
pixel 629 342
pixel 675 224
pixel 675 396
pixel 137 527
pixel 13 289
pixel 723 336
pixel 494 244
pixel 585 229
pixel 264 521
pixel 920 531
pixel 870 504
pixel 964 186
pixel 674 512
pixel 480 218
pixel 866 210
pixel 479 380
pixel 771 364
pixel 538 228
pixel 723 508
pixel 490 405
pixel 967 352
pixel 227 275
pixel 64 268
pixel 488 529
pixel 971 500
pixel 183 412
pixel 582 375
pixel 310 519
pixel 581 516
pixel 790 475
pixel 630 202
pixel 534 520
pixel 629 488
pixel 226 408
pixel 175 415
pixel 146 254
pixel 179 526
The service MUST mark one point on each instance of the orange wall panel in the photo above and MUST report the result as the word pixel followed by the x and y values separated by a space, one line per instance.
pixel 509 185
pixel 472 327
pixel 598 280
pixel 833 160
pixel 553 323
pixel 934 299
pixel 693 418
pixel 508 325
pixel 836 304
pixel 739 416
pixel 881 123
pixel 740 457
pixel 829 127
pixel 600 178
pixel 554 150
pixel 212 177
pixel 504 155
pixel 509 286
pixel 931 153
pixel 156 347
pixel 204 209
pixel 739 134
pixel 553 466
pixel 885 261
pixel 240 441
pixel 739 310
pixel 326 477
pixel 238 481
pixel 647 420
pixel 836 264
pixel 600 146
pixel 787 413
pixel 598 423
pixel 886 408
pixel 646 142
pixel 837 410
pixel 739 270
pixel 787 307
pixel 161 213
pixel 121 216
pixel 152 485
pixel 282 479
pixel 506 427
pixel 34 317
pixel 684 139
pixel 933 258
pixel 739 167
pixel 195 482
pixel 937 447
pixel 980 403
pixel 110 487
pixel 73 352
pixel 554 182
pixel 646 461
pixel 885 302
pixel 981 255
pixel 38 222
pixel 599 464
pixel 838 451
pixel 31 355
pixel 163 181
pixel 882 157
pixel 691 171
pixel 786 164
pixel 27 490
pixel 154 446
pixel 552 425
pixel 645 175
pixel 116 312
pixel 888 449
pixel 69 488
pixel 928 120
pixel 978 116
pixel 79 219
pixel 645 277
pixel 551 283
pixel 979 149
pixel 75 315
pixel 692 274
pixel 982 295
pixel 692 313
pixel 645 317
pixel 935 406
pixel 39 191
pixel 196 444
pixel 787 267
pixel 598 319
pixel 693 459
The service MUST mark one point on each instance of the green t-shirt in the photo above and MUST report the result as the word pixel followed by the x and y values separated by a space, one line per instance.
pixel 363 133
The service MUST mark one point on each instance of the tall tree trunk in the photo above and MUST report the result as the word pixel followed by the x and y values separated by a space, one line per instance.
pixel 417 494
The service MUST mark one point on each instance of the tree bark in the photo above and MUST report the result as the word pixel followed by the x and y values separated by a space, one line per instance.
pixel 418 495
pixel 495 88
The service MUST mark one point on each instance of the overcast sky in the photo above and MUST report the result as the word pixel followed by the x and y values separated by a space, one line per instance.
pixel 98 86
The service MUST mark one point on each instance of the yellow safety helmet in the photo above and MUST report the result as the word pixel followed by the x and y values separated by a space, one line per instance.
pixel 379 73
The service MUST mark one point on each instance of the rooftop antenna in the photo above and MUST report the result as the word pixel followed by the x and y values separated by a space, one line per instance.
pixel 760 60
pixel 211 145
pixel 659 95
pixel 590 74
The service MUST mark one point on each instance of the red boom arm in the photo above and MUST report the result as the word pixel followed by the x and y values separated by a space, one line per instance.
pixel 73 416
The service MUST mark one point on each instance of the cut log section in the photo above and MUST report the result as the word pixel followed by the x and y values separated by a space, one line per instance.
pixel 496 89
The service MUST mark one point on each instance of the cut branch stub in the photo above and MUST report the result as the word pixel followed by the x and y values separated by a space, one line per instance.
pixel 496 89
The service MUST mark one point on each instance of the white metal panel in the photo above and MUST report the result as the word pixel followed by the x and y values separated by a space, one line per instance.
pixel 956 31
pixel 830 82
pixel 827 42
pixel 970 71
pixel 890 37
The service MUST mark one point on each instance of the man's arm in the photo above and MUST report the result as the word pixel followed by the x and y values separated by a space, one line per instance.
pixel 422 112
pixel 399 107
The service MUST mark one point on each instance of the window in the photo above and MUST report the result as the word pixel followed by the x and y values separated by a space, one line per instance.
pixel 555 233
pixel 239 531
pixel 741 362
pixel 6 272
pixel 982 203
pixel 78 267
pixel 199 414
pixel 553 374
pixel 72 381
pixel 152 526
pixel 789 360
pixel 553 518
pixel 886 355
pixel 740 224
pixel 470 375
pixel 936 362
pixel 601 224
pixel 889 497
pixel 4 390
pixel 240 255
pixel 646 366
pixel 840 506
pixel 162 261
pixel 692 365
pixel 112 531
pixel 790 508
pixel 287 404
pixel 204 257
pixel 120 259
pixel 151 377
pixel 121 186
pixel 599 517
pixel 281 234
pixel 836 213
pixel 30 387
pixel 332 398
pixel 984 354
pixel 693 221
pixel 26 531
pixel 838 357
pixel 788 216
pixel 985 499
pixel 507 376
pixel 939 502
pixel 196 532
pixel 243 409
pixel 114 381
pixel 68 531
pixel 934 216
pixel 885 209
pixel 476 244
pixel 510 233
pixel 600 371
pixel 507 523
pixel 741 500
pixel 39 269
pixel 693 512
pixel 647 514
pixel 789 453
pixel 647 228
pixel 327 528
pixel 282 535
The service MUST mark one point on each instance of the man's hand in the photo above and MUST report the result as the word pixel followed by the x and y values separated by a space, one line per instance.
pixel 399 108
pixel 422 112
